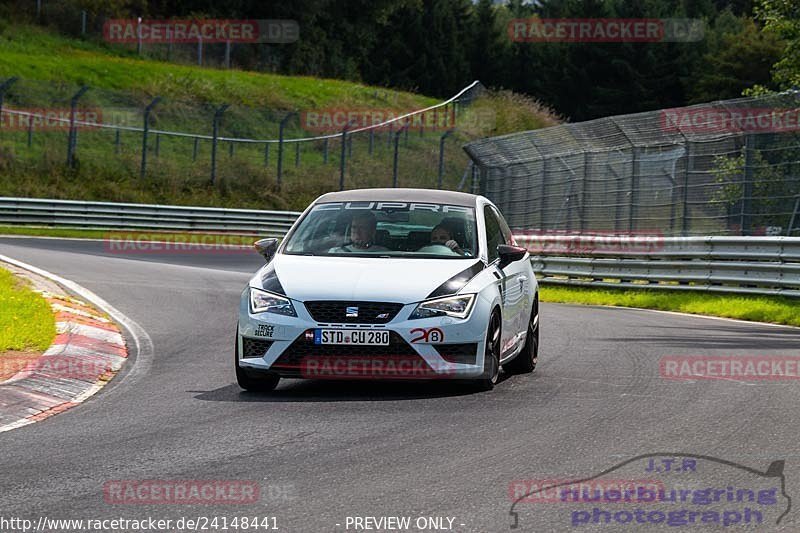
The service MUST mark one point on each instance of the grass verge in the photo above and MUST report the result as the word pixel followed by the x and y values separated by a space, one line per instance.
pixel 772 309
pixel 26 321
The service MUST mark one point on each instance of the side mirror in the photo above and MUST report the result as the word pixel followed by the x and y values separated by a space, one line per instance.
pixel 509 254
pixel 267 248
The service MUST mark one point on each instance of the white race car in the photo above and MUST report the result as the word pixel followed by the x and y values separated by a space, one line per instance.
pixel 390 284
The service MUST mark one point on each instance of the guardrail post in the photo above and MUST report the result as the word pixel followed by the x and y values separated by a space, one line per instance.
pixel 280 148
pixel 72 139
pixel 441 155
pixel 215 133
pixel 145 131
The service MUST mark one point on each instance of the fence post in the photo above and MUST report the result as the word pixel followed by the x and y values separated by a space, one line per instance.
pixel 195 148
pixel 371 140
pixel 687 168
pixel 266 154
pixel 747 186
pixel 72 139
pixel 145 130
pixel 396 150
pixel 228 54
pixel 343 157
pixel 634 184
pixel 158 145
pixel 215 132
pixel 117 142
pixel 199 50
pixel 325 151
pixel 139 36
pixel 230 148
pixel 441 155
pixel 543 194
pixel 83 22
pixel 280 147
pixel 582 209
pixel 30 133
pixel 297 154
pixel 3 89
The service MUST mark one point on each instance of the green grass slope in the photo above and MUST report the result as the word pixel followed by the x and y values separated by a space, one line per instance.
pixel 51 68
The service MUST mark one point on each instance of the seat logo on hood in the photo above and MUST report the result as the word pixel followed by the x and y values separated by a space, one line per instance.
pixel 351 312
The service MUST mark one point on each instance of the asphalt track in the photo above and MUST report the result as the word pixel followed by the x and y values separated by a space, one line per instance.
pixel 323 451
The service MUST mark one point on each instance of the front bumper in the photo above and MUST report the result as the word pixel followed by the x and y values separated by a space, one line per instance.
pixel 432 348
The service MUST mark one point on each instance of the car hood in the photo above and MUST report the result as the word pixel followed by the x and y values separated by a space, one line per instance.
pixel 364 279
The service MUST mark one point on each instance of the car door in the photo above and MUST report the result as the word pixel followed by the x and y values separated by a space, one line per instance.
pixel 495 237
pixel 518 287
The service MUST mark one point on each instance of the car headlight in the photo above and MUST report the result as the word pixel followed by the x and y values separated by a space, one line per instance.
pixel 267 302
pixel 454 306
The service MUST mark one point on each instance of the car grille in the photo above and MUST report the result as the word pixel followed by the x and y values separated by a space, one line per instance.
pixel 335 312
pixel 301 348
pixel 458 353
pixel 254 347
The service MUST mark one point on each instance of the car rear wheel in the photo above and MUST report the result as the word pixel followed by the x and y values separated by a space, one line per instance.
pixel 525 362
pixel 491 359
pixel 261 382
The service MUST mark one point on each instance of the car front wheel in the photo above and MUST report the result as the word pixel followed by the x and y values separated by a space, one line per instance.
pixel 491 359
pixel 525 361
pixel 262 382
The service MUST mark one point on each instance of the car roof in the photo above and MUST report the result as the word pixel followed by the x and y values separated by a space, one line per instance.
pixel 434 196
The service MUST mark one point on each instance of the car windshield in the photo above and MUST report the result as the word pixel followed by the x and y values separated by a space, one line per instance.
pixel 386 229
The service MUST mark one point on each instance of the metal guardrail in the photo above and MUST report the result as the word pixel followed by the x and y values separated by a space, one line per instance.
pixel 121 216
pixel 745 265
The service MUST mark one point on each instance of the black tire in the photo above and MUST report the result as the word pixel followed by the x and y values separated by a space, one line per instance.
pixel 262 382
pixel 491 360
pixel 525 361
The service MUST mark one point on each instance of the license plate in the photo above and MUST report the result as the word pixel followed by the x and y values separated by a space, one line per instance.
pixel 353 337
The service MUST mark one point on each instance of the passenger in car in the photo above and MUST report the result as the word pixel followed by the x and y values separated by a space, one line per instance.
pixel 440 234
